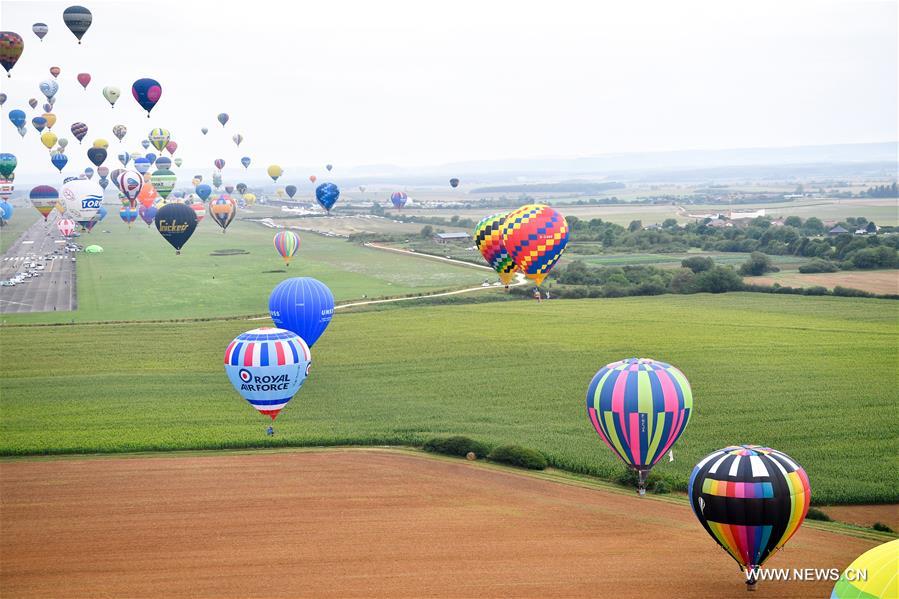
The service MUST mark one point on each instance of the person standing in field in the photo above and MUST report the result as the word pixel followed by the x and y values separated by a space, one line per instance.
pixel 537 295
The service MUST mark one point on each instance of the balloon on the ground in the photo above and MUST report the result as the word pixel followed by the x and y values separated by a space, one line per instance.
pixel 398 199
pixel 147 93
pixel 78 19
pixel 274 171
pixel 7 164
pixel 245 161
pixel 488 238
pixel 17 117
pixel 204 191
pixel 454 182
pixel 639 407
pixel 147 213
pixel 164 181
pixel 40 30
pixel 84 79
pixel 82 199
pixel 535 237
pixel 11 46
pixel 267 367
pixel 751 500
pixel 79 130
pixel 303 305
pixel 286 244
pixel 222 210
pixel 120 131
pixel 44 198
pixel 96 155
pixel 49 88
pixel 176 222
pixel 880 580
pixel 327 194
pixel 291 190
pixel 159 138
pixel 65 226
pixel 59 160
pixel 222 118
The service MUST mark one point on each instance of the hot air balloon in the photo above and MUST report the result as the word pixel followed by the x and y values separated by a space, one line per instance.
pixel 204 130
pixel 111 93
pixel 96 155
pixel 171 147
pixel 163 162
pixel 454 182
pixel 63 142
pixel 65 226
pixel 219 163
pixel 362 188
pixel 159 138
pixel 49 139
pixel 32 102
pixel 203 191
pixel 267 367
pixel 302 305
pixel 147 93
pixel 217 179
pixel 222 210
pixel 327 194
pixel 40 30
pixel 488 238
pixel 286 243
pixel 55 71
pixel 178 162
pixel 8 164
pixel 39 123
pixel 245 161
pixel 147 213
pixel 11 46
pixel 89 173
pixel 176 223
pixel 120 131
pixel 6 188
pixel 50 118
pixel 237 139
pixel 313 178
pixel 147 195
pixel 17 118
pixel 291 191
pixel 6 210
pixel 79 130
pixel 82 199
pixel 128 214
pixel 49 88
pixel 145 143
pixel 329 167
pixel 78 20
pixel 880 580
pixel 280 193
pixel 48 106
pixel 398 199
pixel 59 160
pixel 101 143
pixel 275 171
pixel 241 188
pixel 2 99
pixel 151 158
pixel 44 198
pixel 751 500
pixel 222 118
pixel 535 237
pixel 639 408
pixel 142 165
pixel 84 79
pixel 229 189
pixel 249 198
pixel 199 209
pixel 164 181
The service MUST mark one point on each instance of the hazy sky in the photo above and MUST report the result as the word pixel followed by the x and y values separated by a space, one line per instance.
pixel 416 83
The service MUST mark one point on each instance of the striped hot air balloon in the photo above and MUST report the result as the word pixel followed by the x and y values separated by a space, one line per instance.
pixel 880 574
pixel 66 226
pixel 639 407
pixel 489 239
pixel 751 500
pixel 44 198
pixel 267 366
pixel 222 210
pixel 200 209
pixel 287 243
pixel 399 199
pixel 535 237
pixel 128 214
pixel 159 138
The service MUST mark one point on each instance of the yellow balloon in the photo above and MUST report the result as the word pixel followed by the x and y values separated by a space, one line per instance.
pixel 275 171
pixel 101 143
pixel 249 198
pixel 60 207
pixel 51 119
pixel 48 138
pixel 280 193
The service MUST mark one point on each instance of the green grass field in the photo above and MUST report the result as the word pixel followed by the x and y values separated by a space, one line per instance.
pixel 139 277
pixel 814 377
pixel 22 218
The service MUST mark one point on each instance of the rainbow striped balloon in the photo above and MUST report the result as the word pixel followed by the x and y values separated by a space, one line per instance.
pixel 287 243
pixel 639 407
pixel 44 199
pixel 879 566
pixel 750 499
pixel 535 237
pixel 488 237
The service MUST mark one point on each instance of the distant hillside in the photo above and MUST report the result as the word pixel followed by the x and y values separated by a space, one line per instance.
pixel 563 187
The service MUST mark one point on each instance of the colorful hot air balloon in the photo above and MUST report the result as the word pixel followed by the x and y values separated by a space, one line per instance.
pixel 78 20
pixel 398 199
pixel 219 163
pixel 313 178
pixel 65 226
pixel 287 243
pixel 488 238
pixel 89 172
pixel 267 367
pixel 245 161
pixel 79 130
pixel 147 213
pixel 147 93
pixel 222 210
pixel 84 79
pixel 128 214
pixel 159 138
pixel 63 142
pixel 17 117
pixel 44 198
pixel 82 199
pixel 291 191
pixel 326 194
pixel 639 407
pixel 203 191
pixel 275 171
pixel 96 155
pixel 199 209
pixel 222 118
pixel 176 223
pixel 147 195
pixel 111 93
pixel 171 147
pixel 879 581
pixel 237 138
pixel 6 188
pixel 302 305
pixel 751 500
pixel 120 131
pixel 59 160
pixel 535 237
pixel 11 46
pixel 164 181
pixel 40 30
pixel 49 139
pixel 8 164
pixel 49 88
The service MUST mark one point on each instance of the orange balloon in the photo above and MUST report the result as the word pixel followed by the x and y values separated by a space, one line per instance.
pixel 312 178
pixel 148 195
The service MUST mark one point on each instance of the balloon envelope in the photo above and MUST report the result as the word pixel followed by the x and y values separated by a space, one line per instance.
pixel 44 198
pixel 203 191
pixel 535 237
pixel 286 244
pixel 176 222
pixel 222 210
pixel 17 117
pixel 59 160
pixel 96 155
pixel 326 194
pixel 8 164
pixel 78 19
pixel 245 161
pixel 147 213
pixel 65 226
pixel 303 305
pixel 147 93
pixel 275 171
pixel 454 182
pixel 879 566
pixel 398 199
pixel 130 183
pixel 222 118
pixel 291 190
pixel 40 30
pixel 84 79
pixel 111 93
pixel 79 130
pixel 11 46
pixel 488 238
pixel 82 199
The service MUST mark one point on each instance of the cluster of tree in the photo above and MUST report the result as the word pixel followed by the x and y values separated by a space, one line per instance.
pixel 882 191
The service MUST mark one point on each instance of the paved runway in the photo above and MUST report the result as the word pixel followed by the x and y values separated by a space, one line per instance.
pixel 54 289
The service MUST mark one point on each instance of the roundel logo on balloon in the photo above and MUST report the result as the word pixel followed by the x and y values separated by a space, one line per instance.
pixel 245 375
pixel 68 193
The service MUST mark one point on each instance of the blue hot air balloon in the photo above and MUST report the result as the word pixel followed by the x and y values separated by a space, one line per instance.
pixel 245 161
pixel 6 210
pixel 302 305
pixel 17 118
pixel 59 160
pixel 124 158
pixel 39 123
pixel 327 194
pixel 151 157
pixel 203 191
pixel 147 93
pixel 163 162
pixel 141 165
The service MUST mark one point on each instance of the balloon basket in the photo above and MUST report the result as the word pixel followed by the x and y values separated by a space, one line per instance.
pixel 642 475
pixel 270 431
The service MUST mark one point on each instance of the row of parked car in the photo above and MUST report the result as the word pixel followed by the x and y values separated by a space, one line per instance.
pixel 35 265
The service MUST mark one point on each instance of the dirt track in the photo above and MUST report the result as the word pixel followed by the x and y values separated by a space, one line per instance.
pixel 353 523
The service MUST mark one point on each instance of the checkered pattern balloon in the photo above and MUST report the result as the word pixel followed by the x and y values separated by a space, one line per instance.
pixel 489 239
pixel 535 237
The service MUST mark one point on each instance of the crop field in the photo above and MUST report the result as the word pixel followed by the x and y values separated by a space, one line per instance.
pixel 139 277
pixel 814 377
pixel 876 281
pixel 23 217
pixel 674 260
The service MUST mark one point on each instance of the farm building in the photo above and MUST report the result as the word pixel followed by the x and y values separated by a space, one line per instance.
pixel 838 230
pixel 451 237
